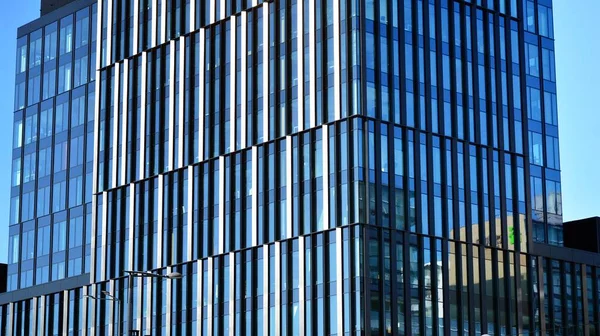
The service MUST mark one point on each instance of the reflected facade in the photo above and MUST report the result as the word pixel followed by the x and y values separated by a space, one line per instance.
pixel 311 167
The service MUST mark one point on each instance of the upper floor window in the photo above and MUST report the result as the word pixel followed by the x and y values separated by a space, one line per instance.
pixel 35 49
pixel 545 21
pixel 66 35
pixel 21 55
pixel 50 42
pixel 82 28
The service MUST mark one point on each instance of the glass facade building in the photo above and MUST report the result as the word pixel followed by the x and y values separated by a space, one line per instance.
pixel 311 167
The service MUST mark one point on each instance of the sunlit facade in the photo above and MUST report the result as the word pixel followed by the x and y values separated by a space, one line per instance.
pixel 327 167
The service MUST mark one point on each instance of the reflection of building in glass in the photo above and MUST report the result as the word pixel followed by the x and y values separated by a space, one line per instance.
pixel 311 167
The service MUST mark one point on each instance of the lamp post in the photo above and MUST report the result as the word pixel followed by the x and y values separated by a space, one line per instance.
pixel 140 274
pixel 110 297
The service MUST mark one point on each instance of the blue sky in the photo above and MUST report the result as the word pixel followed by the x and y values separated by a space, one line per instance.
pixel 576 29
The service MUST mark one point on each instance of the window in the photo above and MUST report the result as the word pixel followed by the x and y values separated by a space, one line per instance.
pixel 545 21
pixel 45 162
pixel 82 28
pixel 33 93
pixel 28 206
pixel 20 95
pixel 66 35
pixel 554 197
pixel 43 245
pixel 81 71
pixel 49 84
pixel 64 77
pixel 549 71
pixel 59 240
pixel 531 55
pixel 46 122
pixel 21 55
pixel 59 196
pixel 550 108
pixel 14 210
pixel 76 232
pixel 552 155
pixel 78 111
pixel 537 194
pixel 31 129
pixel 43 201
pixel 60 156
pixel 534 104
pixel 29 167
pixel 75 191
pixel 28 243
pixel 16 172
pixel 77 152
pixel 50 39
pixel 536 148
pixel 17 133
pixel 35 49
pixel 530 16
pixel 13 249
pixel 62 116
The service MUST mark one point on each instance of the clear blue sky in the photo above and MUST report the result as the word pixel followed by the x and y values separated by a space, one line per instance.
pixel 578 73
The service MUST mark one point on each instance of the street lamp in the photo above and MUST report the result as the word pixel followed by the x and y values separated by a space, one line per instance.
pixel 141 274
pixel 110 297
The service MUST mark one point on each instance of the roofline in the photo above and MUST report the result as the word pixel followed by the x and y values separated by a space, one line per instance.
pixel 55 15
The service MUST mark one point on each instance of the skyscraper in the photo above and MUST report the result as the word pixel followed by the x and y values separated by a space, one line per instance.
pixel 309 167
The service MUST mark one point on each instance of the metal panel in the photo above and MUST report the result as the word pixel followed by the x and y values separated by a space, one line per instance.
pixel 9 323
pixel 142 162
pixel 266 287
pixel 210 297
pixel 302 284
pixel 201 95
pixel 265 72
pixel 115 126
pixel 277 289
pixel 212 13
pixel 124 135
pixel 33 323
pixel 222 10
pixel 232 300
pixel 312 53
pixel 139 305
pixel 159 234
pixel 148 286
pixel 244 73
pixel 336 60
pixel 154 23
pixel 200 300
pixel 288 181
pixel 181 112
pixel 232 89
pixel 325 160
pixel 65 321
pixel 169 299
pixel 254 191
pixel 163 22
pixel 339 281
pixel 192 15
pixel 136 22
pixel 131 225
pixel 190 213
pixel 97 110
pixel 221 204
pixel 300 56
pixel 109 28
pixel 171 148
pixel 104 236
